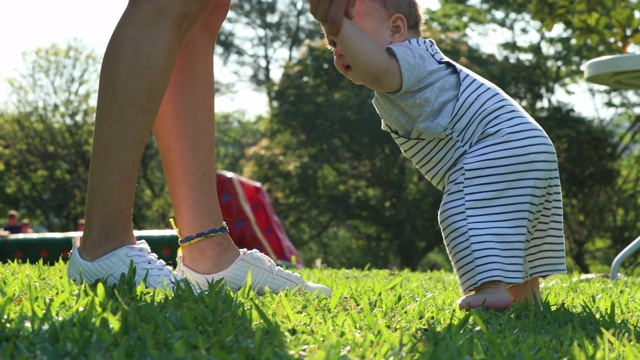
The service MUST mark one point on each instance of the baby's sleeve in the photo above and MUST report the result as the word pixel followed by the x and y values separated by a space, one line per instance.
pixel 413 61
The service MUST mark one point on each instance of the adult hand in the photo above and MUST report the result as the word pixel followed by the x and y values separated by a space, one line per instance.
pixel 331 13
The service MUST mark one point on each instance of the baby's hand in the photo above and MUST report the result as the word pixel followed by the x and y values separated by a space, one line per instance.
pixel 331 13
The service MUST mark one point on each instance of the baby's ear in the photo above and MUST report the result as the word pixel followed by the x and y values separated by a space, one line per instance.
pixel 397 24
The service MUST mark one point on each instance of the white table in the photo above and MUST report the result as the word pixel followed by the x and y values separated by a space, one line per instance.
pixel 619 72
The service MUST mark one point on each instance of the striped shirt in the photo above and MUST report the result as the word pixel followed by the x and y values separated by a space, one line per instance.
pixel 501 213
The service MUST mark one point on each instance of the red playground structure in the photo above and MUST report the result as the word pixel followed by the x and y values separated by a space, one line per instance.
pixel 252 222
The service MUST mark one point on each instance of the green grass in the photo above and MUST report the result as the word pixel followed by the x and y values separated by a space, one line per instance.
pixel 372 315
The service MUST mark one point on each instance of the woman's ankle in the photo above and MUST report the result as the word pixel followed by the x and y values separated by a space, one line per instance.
pixel 210 256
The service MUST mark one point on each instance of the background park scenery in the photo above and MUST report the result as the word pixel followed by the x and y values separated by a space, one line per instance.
pixel 361 216
pixel 339 184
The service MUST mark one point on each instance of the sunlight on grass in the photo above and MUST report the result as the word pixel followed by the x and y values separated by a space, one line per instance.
pixel 373 314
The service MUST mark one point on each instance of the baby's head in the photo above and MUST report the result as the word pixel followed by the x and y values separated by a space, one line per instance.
pixel 371 15
pixel 387 8
pixel 386 22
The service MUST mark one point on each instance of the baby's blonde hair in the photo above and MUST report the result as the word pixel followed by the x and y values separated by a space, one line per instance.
pixel 407 8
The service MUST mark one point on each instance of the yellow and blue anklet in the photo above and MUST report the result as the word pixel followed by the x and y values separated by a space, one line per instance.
pixel 189 240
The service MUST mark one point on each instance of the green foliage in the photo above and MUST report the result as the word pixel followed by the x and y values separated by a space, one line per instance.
pixel 589 171
pixel 47 127
pixel 606 26
pixel 610 25
pixel 47 130
pixel 261 36
pixel 152 206
pixel 373 314
pixel 45 150
pixel 234 135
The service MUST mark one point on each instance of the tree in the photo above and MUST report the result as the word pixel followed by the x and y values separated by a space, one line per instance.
pixel 234 135
pixel 45 148
pixel 589 169
pixel 604 24
pixel 47 130
pixel 262 35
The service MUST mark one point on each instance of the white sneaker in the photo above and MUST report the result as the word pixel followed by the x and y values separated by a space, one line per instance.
pixel 110 267
pixel 264 274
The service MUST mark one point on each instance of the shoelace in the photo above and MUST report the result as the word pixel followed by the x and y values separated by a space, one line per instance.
pixel 142 255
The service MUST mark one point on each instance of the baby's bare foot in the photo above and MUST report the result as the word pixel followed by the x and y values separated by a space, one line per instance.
pixel 492 295
pixel 528 292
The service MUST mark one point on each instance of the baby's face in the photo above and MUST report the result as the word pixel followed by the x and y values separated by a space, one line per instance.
pixel 371 18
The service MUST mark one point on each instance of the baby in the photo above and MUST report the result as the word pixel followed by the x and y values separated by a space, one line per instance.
pixel 501 212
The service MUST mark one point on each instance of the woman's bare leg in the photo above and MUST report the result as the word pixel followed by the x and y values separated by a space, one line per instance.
pixel 185 132
pixel 158 73
pixel 135 74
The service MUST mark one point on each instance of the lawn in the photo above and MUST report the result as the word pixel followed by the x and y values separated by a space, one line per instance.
pixel 374 314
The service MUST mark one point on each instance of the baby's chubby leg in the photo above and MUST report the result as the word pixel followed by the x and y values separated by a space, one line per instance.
pixel 492 295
